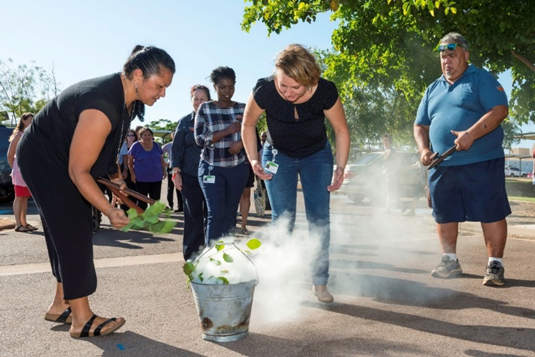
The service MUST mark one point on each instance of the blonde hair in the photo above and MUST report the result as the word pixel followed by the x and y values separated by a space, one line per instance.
pixel 298 63
pixel 20 125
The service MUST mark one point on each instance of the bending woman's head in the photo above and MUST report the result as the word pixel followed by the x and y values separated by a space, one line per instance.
pixel 150 60
pixel 140 67
pixel 296 62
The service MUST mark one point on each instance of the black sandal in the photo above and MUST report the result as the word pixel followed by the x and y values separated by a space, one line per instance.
pixel 85 331
pixel 31 228
pixel 22 229
pixel 64 318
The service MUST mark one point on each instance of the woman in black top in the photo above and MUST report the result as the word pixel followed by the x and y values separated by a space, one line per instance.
pixel 74 139
pixel 296 101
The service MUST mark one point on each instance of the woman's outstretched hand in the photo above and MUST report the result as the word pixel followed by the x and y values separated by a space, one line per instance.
pixel 338 179
pixel 259 170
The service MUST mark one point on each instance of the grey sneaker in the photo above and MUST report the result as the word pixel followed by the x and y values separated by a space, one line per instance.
pixel 494 275
pixel 447 268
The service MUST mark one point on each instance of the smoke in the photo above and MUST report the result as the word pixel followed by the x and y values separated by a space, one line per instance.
pixel 386 258
pixel 283 263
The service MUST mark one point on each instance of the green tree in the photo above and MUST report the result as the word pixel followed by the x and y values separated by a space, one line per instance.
pixel 165 125
pixel 24 88
pixel 389 43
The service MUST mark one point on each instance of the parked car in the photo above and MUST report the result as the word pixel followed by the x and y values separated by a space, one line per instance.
pixel 514 172
pixel 364 178
pixel 7 192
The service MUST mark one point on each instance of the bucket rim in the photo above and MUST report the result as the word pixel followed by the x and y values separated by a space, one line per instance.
pixel 243 282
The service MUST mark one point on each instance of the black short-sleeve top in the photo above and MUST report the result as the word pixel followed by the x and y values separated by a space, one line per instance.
pixel 53 127
pixel 296 137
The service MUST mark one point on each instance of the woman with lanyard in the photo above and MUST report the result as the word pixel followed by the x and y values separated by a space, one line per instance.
pixel 72 141
pixel 296 101
pixel 186 156
pixel 223 170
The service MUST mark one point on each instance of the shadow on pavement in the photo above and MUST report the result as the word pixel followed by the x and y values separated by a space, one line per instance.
pixel 129 240
pixel 411 293
pixel 519 338
pixel 358 265
pixel 476 353
pixel 130 344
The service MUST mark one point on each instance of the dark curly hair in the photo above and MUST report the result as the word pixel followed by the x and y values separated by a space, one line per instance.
pixel 222 72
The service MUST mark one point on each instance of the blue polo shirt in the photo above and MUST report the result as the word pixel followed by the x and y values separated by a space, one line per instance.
pixel 458 106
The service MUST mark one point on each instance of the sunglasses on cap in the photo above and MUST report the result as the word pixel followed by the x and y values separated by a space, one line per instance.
pixel 449 47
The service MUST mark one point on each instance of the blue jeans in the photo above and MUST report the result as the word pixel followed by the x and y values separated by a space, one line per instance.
pixel 315 172
pixel 222 197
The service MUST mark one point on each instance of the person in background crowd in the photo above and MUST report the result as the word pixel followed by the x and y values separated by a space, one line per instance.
pixel 263 138
pixel 147 166
pixel 22 194
pixel 131 138
pixel 185 162
pixel 296 101
pixel 73 140
pixel 420 186
pixel 170 185
pixel 465 107
pixel 223 169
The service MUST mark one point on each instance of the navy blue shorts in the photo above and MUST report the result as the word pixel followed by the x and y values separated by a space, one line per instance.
pixel 473 192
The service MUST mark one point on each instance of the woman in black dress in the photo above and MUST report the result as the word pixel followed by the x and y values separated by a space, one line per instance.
pixel 74 139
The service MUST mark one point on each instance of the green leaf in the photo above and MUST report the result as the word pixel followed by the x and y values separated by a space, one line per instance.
pixel 188 268
pixel 253 243
pixel 219 246
pixel 130 225
pixel 131 213
pixel 168 226
pixel 150 218
pixel 215 261
pixel 227 258
pixel 223 279
pixel 139 223
pixel 164 226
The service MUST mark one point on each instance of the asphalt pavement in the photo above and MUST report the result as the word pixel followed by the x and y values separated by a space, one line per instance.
pixel 386 302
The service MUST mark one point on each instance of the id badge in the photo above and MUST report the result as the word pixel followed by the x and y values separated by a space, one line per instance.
pixel 272 167
pixel 208 179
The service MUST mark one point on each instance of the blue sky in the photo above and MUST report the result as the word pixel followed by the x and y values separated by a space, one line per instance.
pixel 86 39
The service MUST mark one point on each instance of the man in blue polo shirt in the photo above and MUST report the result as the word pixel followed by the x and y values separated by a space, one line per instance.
pixel 465 108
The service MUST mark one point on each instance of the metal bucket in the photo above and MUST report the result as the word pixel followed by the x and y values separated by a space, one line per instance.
pixel 224 310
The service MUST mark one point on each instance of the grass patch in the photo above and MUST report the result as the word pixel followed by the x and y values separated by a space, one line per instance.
pixel 520 188
pixel 524 199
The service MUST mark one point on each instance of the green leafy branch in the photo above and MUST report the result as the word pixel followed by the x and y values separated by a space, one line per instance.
pixel 150 219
